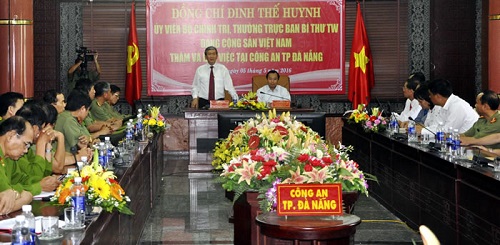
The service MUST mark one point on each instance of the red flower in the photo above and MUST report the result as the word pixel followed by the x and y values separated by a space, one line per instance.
pixel 253 142
pixel 282 130
pixel 315 162
pixel 252 131
pixel 258 158
pixel 308 168
pixel 327 160
pixel 270 163
pixel 304 129
pixel 303 157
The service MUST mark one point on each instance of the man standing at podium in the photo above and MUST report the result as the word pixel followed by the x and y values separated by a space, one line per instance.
pixel 210 81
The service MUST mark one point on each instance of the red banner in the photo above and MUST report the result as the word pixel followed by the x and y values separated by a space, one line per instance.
pixel 309 199
pixel 133 83
pixel 302 39
pixel 361 78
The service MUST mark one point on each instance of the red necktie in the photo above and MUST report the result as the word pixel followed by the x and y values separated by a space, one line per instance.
pixel 211 85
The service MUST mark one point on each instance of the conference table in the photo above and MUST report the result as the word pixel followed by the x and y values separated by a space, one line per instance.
pixel 457 199
pixel 140 179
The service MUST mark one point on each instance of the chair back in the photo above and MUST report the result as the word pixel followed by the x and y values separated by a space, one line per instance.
pixel 260 80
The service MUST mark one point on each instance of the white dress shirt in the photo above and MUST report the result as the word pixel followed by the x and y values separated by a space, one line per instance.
pixel 222 82
pixel 412 108
pixel 431 121
pixel 457 113
pixel 279 93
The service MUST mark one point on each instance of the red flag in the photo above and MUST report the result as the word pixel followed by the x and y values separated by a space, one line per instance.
pixel 133 84
pixel 361 79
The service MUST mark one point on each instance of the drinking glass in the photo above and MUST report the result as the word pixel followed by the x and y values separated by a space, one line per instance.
pixel 50 228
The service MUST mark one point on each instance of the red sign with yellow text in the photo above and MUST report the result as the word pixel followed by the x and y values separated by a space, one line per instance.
pixel 309 199
pixel 303 39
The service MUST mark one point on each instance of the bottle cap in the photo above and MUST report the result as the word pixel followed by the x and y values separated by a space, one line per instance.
pixel 106 138
pixel 26 208
pixel 78 179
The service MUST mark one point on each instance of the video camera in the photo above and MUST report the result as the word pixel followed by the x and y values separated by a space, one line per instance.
pixel 85 55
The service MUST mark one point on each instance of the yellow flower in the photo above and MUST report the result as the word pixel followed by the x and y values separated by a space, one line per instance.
pixel 161 124
pixel 100 186
pixel 152 122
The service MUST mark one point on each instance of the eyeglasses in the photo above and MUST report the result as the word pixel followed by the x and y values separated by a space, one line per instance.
pixel 26 144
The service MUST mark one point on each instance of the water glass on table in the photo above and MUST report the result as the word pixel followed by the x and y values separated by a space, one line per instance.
pixel 425 139
pixel 50 227
pixel 73 219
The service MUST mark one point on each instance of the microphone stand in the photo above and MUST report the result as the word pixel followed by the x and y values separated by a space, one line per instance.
pixel 74 150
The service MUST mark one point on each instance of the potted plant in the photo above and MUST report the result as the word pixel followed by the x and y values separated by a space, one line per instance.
pixel 271 149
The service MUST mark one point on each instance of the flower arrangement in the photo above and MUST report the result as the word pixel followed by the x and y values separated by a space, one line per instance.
pixel 249 102
pixel 279 149
pixel 101 189
pixel 155 120
pixel 373 122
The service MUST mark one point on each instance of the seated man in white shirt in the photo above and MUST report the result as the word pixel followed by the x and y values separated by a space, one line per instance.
pixel 456 112
pixel 412 107
pixel 272 91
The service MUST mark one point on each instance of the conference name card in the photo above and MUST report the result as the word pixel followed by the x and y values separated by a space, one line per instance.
pixel 280 104
pixel 219 104
pixel 309 199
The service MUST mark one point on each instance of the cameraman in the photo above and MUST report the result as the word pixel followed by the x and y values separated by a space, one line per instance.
pixel 79 70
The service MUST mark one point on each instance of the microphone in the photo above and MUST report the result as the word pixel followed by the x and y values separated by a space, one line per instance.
pixel 74 150
pixel 274 95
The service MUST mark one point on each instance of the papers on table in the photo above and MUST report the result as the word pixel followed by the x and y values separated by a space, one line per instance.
pixel 44 194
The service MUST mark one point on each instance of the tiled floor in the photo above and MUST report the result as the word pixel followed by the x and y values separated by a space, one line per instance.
pixel 193 210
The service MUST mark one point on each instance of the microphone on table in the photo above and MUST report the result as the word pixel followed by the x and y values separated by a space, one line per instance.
pixel 432 145
pixel 74 150
pixel 277 96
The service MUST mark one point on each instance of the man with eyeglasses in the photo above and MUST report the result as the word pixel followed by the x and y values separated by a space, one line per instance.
pixel 113 100
pixel 16 136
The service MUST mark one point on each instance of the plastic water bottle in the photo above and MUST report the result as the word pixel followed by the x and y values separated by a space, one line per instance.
pixel 139 129
pixel 440 136
pixel 449 139
pixel 129 135
pixel 455 147
pixel 393 125
pixel 412 132
pixel 30 221
pixel 78 196
pixel 102 155
pixel 109 151
pixel 21 232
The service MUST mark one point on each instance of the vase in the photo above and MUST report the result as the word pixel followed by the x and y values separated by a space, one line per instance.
pixel 246 208
pixel 349 198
